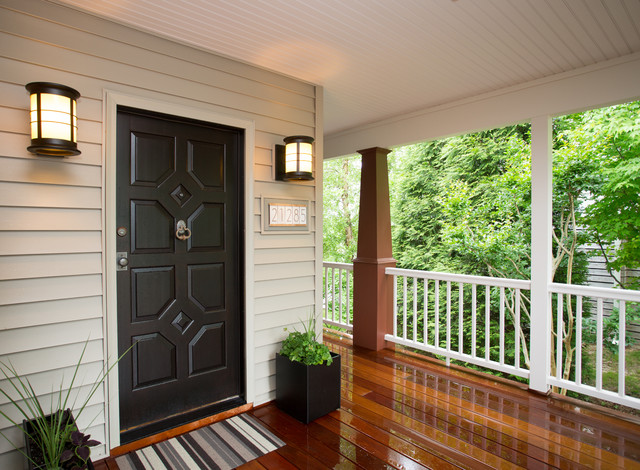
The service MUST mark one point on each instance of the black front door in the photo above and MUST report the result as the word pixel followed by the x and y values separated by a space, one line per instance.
pixel 180 295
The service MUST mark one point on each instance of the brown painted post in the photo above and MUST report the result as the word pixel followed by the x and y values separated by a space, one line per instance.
pixel 372 289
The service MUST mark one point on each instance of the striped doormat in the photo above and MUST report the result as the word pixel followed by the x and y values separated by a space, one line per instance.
pixel 223 445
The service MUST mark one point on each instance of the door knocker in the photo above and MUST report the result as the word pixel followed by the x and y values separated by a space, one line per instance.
pixel 182 231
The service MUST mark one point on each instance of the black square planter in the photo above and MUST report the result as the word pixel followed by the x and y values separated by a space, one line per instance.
pixel 28 426
pixel 307 392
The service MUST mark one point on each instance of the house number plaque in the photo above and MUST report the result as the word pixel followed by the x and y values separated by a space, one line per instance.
pixel 284 215
pixel 287 215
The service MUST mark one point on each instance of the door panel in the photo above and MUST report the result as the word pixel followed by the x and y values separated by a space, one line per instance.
pixel 179 300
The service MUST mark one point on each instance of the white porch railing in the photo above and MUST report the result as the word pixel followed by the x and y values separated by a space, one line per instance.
pixel 584 306
pixel 468 318
pixel 485 321
pixel 338 295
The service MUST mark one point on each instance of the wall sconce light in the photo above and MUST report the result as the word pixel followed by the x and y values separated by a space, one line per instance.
pixel 54 123
pixel 294 160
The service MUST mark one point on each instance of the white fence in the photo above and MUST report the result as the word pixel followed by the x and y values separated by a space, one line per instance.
pixel 485 321
pixel 338 292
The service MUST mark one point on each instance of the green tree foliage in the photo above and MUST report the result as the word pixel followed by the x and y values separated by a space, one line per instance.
pixel 340 208
pixel 465 204
pixel 613 220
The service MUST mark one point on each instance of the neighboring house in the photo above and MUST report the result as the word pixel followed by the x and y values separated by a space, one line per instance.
pixel 598 276
pixel 59 237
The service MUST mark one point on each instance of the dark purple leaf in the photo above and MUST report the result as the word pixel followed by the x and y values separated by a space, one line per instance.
pixel 66 455
pixel 83 452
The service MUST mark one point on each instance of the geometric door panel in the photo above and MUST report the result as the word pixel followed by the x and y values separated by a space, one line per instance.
pixel 154 360
pixel 206 350
pixel 207 227
pixel 153 290
pixel 152 159
pixel 151 228
pixel 206 286
pixel 206 164
pixel 180 299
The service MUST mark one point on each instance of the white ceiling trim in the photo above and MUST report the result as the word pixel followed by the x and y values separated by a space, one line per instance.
pixel 595 86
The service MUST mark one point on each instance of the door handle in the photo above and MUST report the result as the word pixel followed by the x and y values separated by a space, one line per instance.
pixel 182 231
pixel 122 260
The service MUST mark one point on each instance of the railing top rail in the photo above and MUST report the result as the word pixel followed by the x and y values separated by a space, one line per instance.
pixel 465 278
pixel 590 291
pixel 345 266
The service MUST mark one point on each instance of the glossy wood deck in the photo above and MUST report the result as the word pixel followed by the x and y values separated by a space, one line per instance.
pixel 400 411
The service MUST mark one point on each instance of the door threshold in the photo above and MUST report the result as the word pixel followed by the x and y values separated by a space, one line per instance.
pixel 177 431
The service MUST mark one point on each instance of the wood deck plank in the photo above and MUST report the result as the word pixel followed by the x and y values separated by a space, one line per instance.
pixel 593 448
pixel 306 438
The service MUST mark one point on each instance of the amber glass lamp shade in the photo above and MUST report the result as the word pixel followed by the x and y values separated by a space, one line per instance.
pixel 298 159
pixel 54 122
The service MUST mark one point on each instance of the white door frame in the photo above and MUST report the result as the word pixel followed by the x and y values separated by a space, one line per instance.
pixel 182 108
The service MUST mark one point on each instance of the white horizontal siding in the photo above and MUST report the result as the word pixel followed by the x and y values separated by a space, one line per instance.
pixel 50 242
pixel 37 266
pixel 49 171
pixel 52 209
pixel 39 289
pixel 27 219
pixel 39 195
pixel 275 255
pixel 282 270
pixel 50 311
pixel 301 240
pixel 300 300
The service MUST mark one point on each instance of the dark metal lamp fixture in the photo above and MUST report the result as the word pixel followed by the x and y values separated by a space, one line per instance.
pixel 294 160
pixel 54 122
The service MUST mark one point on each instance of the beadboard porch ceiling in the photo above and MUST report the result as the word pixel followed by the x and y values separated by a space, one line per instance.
pixel 377 59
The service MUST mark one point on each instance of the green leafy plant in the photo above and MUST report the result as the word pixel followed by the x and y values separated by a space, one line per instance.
pixel 51 430
pixel 303 346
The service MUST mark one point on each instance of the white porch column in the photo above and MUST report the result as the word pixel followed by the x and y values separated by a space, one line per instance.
pixel 541 226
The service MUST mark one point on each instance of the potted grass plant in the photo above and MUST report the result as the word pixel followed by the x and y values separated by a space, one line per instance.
pixel 307 375
pixel 52 438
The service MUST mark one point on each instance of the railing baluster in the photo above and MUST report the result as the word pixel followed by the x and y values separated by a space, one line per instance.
pixel 600 311
pixel 474 307
pixel 622 310
pixel 460 318
pixel 517 329
pixel 415 309
pixel 404 307
pixel 326 292
pixel 487 321
pixel 559 314
pixel 437 315
pixel 340 271
pixel 395 306
pixel 333 294
pixel 502 325
pixel 349 319
pixel 425 328
pixel 448 315
pixel 578 339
